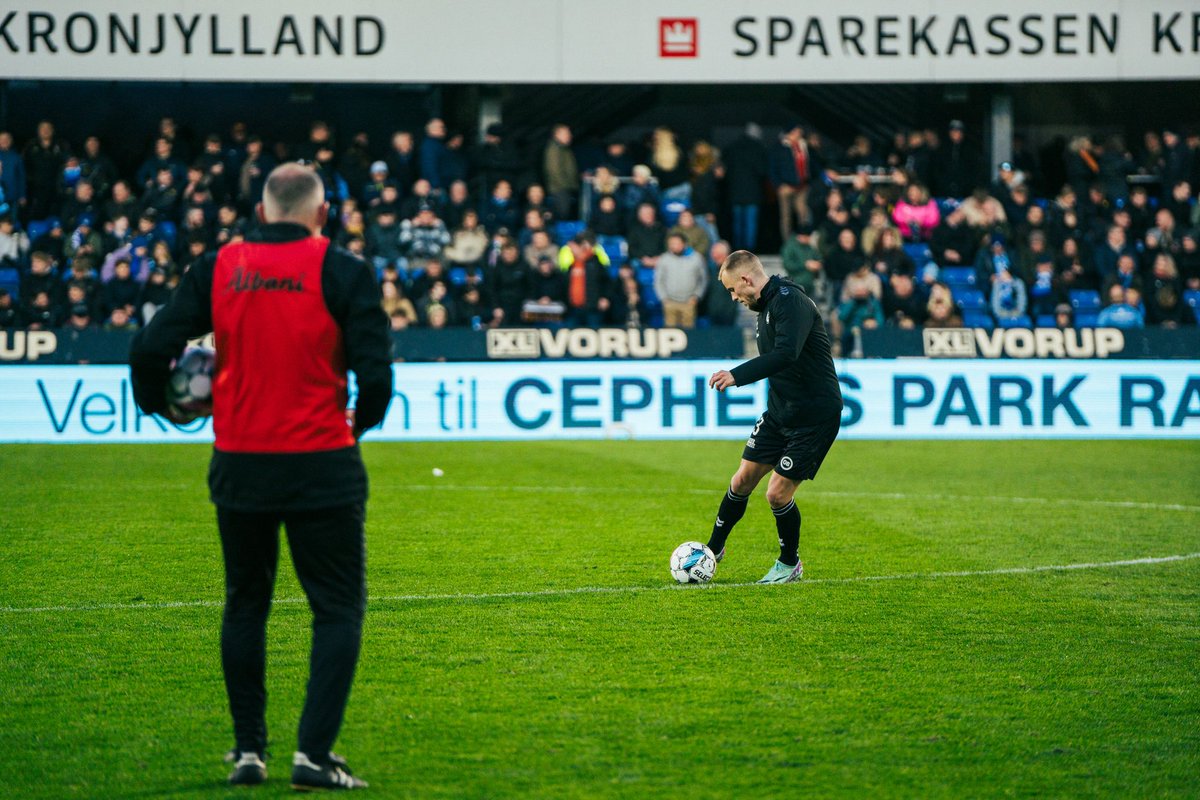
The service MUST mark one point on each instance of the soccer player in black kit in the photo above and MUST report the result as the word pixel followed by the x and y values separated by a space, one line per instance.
pixel 804 405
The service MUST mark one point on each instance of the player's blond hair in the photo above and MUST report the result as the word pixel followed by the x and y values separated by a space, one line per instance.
pixel 741 260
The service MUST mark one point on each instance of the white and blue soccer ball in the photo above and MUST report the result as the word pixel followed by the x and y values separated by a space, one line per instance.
pixel 693 562
pixel 189 389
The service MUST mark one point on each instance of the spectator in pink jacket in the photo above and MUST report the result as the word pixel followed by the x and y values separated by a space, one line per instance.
pixel 916 215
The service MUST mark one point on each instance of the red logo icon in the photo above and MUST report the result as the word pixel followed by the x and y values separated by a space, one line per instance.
pixel 678 37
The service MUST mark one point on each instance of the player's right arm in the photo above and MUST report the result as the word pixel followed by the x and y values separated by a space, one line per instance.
pixel 792 319
pixel 188 315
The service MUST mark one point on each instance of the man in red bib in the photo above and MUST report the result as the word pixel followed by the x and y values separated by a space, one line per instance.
pixel 291 314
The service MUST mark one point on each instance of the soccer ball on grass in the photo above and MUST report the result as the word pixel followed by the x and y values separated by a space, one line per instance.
pixel 189 389
pixel 693 562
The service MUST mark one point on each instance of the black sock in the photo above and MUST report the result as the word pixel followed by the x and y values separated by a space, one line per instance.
pixel 733 506
pixel 787 523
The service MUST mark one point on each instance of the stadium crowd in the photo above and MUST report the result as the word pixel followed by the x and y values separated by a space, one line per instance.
pixel 913 233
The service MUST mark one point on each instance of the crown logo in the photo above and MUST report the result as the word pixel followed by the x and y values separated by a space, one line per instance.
pixel 678 38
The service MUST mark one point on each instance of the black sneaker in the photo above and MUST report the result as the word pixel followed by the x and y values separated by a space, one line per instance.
pixel 310 777
pixel 248 768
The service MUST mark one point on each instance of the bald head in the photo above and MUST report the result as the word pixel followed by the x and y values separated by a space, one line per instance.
pixel 294 193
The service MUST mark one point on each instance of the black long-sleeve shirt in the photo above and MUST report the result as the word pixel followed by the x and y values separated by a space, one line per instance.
pixel 795 357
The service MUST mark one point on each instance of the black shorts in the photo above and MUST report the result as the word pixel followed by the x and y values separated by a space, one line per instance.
pixel 794 453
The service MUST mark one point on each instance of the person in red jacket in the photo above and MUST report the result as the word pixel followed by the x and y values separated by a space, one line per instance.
pixel 291 314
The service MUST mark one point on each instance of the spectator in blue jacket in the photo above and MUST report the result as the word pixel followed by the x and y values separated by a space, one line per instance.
pixel 163 158
pixel 433 153
pixel 1124 310
pixel 499 210
pixel 12 173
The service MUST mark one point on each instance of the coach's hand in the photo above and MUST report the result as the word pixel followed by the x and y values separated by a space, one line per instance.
pixel 721 380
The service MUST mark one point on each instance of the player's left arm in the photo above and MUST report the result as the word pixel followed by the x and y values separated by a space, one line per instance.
pixel 355 301
pixel 188 315
pixel 793 319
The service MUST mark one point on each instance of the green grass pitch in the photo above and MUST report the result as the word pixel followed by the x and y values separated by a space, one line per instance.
pixel 1046 683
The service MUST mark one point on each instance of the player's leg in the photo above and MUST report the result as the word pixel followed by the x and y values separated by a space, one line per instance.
pixel 805 451
pixel 763 449
pixel 250 545
pixel 329 551
pixel 733 504
pixel 781 496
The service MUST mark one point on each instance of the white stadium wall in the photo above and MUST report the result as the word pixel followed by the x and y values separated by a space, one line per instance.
pixel 641 41
pixel 885 399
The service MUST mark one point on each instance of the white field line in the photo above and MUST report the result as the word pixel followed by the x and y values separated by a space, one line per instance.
pixel 1058 501
pixel 417 598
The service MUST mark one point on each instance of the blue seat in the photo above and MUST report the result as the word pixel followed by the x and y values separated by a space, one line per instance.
pixel 1086 319
pixel 645 276
pixel 615 247
pixel 946 205
pixel 458 276
pixel 10 279
pixel 919 253
pixel 565 231
pixel 1022 321
pixel 978 319
pixel 168 231
pixel 38 228
pixel 969 299
pixel 671 209
pixel 1085 300
pixel 960 276
pixel 1192 298
pixel 1046 320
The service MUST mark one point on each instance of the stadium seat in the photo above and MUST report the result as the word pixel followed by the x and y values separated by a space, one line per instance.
pixel 957 276
pixel 1085 300
pixel 946 205
pixel 1045 321
pixel 1192 298
pixel 10 279
pixel 458 276
pixel 565 231
pixel 1086 319
pixel 650 297
pixel 969 299
pixel 645 276
pixel 615 247
pixel 919 253
pixel 38 228
pixel 1022 321
pixel 978 319
pixel 671 209
pixel 168 231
